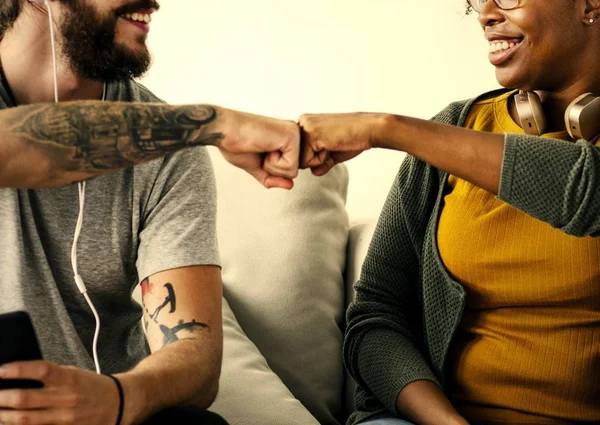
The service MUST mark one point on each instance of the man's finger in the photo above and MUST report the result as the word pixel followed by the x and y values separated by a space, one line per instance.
pixel 39 370
pixel 36 417
pixel 279 182
pixel 282 165
pixel 324 168
pixel 269 181
pixel 24 399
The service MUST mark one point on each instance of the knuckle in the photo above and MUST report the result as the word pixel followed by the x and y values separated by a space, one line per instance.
pixel 306 120
pixel 17 370
pixel 69 418
pixel 21 419
pixel 22 399
pixel 294 149
pixel 71 375
pixel 295 138
pixel 73 399
pixel 44 370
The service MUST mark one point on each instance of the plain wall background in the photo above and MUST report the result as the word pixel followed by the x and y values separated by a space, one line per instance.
pixel 287 57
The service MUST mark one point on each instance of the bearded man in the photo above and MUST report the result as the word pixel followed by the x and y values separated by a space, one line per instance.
pixel 149 218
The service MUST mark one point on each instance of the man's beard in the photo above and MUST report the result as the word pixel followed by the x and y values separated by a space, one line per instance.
pixel 88 43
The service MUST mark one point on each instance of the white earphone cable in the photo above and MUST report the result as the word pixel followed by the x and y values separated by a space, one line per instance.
pixel 81 189
pixel 79 280
pixel 52 43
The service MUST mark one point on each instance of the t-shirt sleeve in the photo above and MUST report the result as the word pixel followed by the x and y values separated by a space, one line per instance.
pixel 178 225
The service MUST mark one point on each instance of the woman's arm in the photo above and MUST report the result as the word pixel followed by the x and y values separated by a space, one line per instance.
pixel 552 180
pixel 474 156
pixel 424 403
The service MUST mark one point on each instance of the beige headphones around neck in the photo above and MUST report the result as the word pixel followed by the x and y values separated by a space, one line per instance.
pixel 582 117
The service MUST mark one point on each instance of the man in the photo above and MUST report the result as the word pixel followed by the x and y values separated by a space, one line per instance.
pixel 152 224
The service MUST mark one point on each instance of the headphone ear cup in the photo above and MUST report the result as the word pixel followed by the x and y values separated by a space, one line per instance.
pixel 581 117
pixel 530 112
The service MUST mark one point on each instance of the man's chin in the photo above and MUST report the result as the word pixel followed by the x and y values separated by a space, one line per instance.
pixel 135 51
pixel 133 44
pixel 122 66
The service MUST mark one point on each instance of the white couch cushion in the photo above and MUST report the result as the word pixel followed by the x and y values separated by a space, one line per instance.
pixel 250 392
pixel 283 255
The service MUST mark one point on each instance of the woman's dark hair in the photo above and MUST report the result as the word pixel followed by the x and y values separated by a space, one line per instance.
pixel 9 11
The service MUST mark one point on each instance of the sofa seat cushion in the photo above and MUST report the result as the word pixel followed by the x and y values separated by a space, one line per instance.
pixel 250 393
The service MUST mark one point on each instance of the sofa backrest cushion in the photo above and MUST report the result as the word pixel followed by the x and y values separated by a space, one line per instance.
pixel 283 255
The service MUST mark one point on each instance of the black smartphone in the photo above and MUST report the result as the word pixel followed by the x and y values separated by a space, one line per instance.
pixel 18 342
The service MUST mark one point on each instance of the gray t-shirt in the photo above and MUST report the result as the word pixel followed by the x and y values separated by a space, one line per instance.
pixel 137 221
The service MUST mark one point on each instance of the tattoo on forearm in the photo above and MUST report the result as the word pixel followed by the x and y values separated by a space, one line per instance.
pixel 169 334
pixel 101 136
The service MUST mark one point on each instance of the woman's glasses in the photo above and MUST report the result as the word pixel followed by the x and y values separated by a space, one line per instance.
pixel 502 4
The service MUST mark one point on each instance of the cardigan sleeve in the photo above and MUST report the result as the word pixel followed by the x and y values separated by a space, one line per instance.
pixel 383 346
pixel 554 181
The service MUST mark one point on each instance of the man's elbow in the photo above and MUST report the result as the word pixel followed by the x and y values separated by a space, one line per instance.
pixel 207 395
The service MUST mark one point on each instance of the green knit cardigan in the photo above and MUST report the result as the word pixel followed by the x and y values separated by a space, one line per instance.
pixel 407 306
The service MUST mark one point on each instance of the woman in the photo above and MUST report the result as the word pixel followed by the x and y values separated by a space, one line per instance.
pixel 479 299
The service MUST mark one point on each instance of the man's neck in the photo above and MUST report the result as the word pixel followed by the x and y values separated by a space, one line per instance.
pixel 28 67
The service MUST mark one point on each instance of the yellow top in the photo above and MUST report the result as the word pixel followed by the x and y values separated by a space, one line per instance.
pixel 528 348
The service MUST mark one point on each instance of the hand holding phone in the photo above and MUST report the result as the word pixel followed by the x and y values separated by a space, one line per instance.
pixel 18 342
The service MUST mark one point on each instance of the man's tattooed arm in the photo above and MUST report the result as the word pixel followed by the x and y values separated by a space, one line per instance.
pixel 54 144
pixel 183 323
pixel 170 333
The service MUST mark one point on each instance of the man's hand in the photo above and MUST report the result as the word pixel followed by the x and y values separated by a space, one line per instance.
pixel 70 396
pixel 329 139
pixel 267 148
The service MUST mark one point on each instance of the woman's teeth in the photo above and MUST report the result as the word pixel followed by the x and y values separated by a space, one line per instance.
pixel 497 46
pixel 139 17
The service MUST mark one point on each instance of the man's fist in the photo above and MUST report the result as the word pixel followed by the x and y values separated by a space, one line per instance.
pixel 267 148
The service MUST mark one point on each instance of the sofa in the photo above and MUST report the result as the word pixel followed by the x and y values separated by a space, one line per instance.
pixel 289 262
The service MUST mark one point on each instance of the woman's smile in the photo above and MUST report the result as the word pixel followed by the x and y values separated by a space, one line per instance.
pixel 502 49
